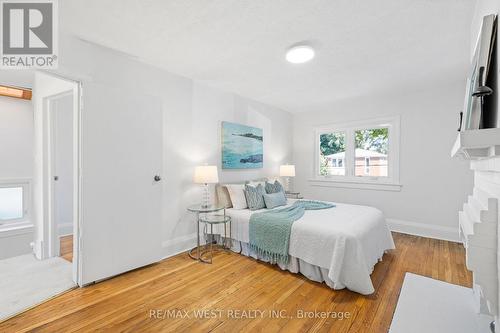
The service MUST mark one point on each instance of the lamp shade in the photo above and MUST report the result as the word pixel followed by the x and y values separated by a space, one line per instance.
pixel 206 174
pixel 287 170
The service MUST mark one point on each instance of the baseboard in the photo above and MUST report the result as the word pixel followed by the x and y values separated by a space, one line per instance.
pixel 424 230
pixel 178 245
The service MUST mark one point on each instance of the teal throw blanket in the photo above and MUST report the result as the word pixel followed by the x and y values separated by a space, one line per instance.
pixel 270 230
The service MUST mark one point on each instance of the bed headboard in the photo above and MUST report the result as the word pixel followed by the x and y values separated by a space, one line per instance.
pixel 222 193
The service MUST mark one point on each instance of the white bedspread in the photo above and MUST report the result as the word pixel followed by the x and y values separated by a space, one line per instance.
pixel 348 240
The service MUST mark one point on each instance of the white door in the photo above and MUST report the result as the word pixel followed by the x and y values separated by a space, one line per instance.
pixel 121 135
pixel 62 163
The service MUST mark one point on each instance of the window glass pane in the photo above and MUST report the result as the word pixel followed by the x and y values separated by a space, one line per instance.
pixel 11 203
pixel 371 152
pixel 332 154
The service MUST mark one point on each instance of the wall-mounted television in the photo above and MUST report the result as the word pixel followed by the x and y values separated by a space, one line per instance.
pixel 480 107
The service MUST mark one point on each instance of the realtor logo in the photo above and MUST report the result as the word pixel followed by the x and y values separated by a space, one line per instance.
pixel 29 34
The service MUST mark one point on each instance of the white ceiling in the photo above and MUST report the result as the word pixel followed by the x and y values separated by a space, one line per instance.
pixel 362 47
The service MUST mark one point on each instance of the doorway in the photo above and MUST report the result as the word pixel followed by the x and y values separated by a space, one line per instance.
pixel 56 181
pixel 61 154
pixel 45 198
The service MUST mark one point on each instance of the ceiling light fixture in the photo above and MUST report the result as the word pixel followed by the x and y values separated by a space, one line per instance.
pixel 299 54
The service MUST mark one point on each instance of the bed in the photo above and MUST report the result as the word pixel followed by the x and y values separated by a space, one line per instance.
pixel 338 246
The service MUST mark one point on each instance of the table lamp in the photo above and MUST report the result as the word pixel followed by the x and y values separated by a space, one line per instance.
pixel 206 174
pixel 287 171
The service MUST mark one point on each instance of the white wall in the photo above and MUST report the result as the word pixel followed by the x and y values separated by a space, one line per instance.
pixel 16 162
pixel 483 8
pixel 16 138
pixel 434 185
pixel 192 116
pixel 15 242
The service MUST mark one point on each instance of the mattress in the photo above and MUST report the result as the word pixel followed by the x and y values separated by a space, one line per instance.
pixel 345 241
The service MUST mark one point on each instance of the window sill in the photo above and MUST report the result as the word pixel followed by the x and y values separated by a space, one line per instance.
pixel 14 229
pixel 394 187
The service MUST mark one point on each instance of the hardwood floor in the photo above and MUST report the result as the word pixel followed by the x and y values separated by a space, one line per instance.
pixel 132 302
pixel 66 247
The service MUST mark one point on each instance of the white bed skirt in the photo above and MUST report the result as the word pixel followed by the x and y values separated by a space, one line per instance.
pixel 295 265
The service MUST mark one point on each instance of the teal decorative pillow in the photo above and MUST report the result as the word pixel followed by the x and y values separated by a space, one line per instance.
pixel 275 199
pixel 274 187
pixel 255 196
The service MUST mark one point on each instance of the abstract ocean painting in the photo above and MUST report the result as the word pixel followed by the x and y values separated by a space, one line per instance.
pixel 242 146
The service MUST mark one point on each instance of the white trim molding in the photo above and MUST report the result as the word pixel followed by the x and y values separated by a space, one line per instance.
pixel 178 245
pixel 15 230
pixel 424 230
pixel 355 185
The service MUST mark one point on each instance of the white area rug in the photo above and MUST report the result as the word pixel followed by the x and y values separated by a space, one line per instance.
pixel 26 282
pixel 432 306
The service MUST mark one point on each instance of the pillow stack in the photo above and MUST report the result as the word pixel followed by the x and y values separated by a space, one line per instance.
pixel 256 195
pixel 237 195
pixel 275 195
pixel 268 195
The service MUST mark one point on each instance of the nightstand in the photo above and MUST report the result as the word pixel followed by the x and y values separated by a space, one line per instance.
pixel 209 220
pixel 293 195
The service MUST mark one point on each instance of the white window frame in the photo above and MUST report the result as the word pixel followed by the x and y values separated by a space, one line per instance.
pixel 389 183
pixel 25 219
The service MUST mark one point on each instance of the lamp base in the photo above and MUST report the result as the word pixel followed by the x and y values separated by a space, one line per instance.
pixel 287 184
pixel 206 197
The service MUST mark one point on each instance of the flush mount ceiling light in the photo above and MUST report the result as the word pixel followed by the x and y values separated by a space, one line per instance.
pixel 299 54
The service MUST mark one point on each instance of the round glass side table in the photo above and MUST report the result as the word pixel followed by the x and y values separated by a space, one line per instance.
pixel 198 210
pixel 210 221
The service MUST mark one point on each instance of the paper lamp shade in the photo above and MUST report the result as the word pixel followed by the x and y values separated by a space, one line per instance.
pixel 287 170
pixel 206 174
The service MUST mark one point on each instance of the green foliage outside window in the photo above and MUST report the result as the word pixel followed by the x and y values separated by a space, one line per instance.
pixel 331 143
pixel 376 139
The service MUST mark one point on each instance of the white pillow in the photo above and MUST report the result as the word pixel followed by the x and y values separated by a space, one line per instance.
pixel 237 194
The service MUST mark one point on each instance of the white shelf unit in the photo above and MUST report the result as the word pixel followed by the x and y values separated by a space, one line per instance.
pixel 478 231
pixel 479 218
pixel 477 144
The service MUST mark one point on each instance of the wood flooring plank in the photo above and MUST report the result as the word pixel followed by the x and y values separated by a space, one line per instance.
pixel 237 283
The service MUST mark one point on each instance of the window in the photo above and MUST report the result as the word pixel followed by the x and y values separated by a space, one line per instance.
pixel 372 147
pixel 332 152
pixel 14 201
pixel 364 152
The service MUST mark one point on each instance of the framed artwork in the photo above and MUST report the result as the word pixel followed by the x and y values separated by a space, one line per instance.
pixel 242 146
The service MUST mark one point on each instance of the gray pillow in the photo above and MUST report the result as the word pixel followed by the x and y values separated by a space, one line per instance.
pixel 274 187
pixel 275 199
pixel 255 197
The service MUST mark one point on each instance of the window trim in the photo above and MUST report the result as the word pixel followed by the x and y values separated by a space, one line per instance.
pixel 25 183
pixel 350 180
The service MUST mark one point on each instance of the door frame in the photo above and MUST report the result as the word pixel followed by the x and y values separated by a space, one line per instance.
pixel 50 245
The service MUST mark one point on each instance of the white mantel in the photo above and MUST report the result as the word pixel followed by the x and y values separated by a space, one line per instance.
pixel 477 144
pixel 478 221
